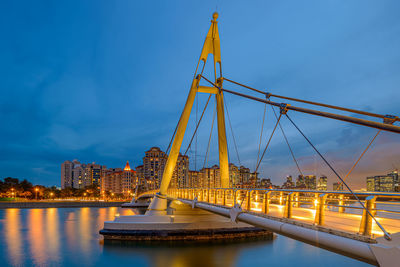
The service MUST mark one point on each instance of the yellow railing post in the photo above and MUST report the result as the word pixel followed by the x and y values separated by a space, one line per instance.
pixel 315 200
pixel 266 202
pixel 320 209
pixel 341 209
pixel 208 195
pixel 288 205
pixel 280 198
pixel 366 220
pixel 296 200
pixel 224 197
pixel 248 200
pixel 215 196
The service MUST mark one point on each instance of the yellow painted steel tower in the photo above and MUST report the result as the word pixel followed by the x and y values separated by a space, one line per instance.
pixel 211 46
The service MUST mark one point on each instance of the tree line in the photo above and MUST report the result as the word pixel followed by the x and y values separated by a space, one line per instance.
pixel 15 188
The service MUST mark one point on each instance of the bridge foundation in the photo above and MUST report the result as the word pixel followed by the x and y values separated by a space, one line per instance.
pixel 179 221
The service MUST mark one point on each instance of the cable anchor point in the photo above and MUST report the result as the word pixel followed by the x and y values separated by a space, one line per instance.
pixel 390 119
pixel 283 108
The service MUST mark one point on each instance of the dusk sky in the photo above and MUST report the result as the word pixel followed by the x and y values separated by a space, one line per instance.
pixel 103 81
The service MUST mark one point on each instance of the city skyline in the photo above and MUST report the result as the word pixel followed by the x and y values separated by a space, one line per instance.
pixel 85 89
pixel 149 174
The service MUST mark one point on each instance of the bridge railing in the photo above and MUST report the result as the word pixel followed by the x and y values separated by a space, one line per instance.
pixel 332 209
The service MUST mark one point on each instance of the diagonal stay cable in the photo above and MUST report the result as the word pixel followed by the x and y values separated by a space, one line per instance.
pixel 209 140
pixel 262 156
pixel 261 133
pixel 386 234
pixel 176 127
pixel 287 142
pixel 173 135
pixel 362 154
pixel 233 136
pixel 311 102
pixel 269 140
pixel 198 124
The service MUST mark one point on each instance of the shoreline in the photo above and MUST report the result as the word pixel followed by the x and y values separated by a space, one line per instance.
pixel 58 204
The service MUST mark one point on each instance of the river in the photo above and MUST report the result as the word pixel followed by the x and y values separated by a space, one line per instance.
pixel 69 237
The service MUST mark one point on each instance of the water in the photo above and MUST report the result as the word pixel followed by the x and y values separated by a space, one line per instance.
pixel 69 237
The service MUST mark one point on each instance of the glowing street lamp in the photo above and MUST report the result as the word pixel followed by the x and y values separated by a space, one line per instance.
pixel 36 192
pixel 51 195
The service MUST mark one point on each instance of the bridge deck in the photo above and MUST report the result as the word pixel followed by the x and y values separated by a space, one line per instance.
pixel 304 209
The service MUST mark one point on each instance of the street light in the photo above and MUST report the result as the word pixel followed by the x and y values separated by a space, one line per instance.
pixel 51 195
pixel 36 191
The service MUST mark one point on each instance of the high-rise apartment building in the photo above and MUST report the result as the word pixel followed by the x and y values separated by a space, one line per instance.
pixel 322 184
pixel 289 183
pixel 244 174
pixel 210 177
pixel 119 181
pixel 77 175
pixel 383 183
pixel 310 182
pixel 194 179
pixel 337 186
pixel 300 182
pixel 153 166
pixel 180 175
pixel 234 175
pixel 66 174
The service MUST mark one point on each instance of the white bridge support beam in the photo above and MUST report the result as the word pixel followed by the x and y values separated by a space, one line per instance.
pixel 384 253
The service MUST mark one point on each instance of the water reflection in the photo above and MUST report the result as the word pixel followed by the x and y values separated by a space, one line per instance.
pixel 36 237
pixel 69 237
pixel 52 234
pixel 84 229
pixel 13 236
pixel 180 254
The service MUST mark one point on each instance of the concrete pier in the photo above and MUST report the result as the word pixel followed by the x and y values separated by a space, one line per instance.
pixel 181 223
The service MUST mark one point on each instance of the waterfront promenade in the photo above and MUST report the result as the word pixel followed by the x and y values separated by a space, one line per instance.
pixel 57 204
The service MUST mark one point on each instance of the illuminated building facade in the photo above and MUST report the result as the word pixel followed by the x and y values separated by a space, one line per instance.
pixel 234 176
pixel 77 175
pixel 194 179
pixel 153 166
pixel 210 177
pixel 310 182
pixel 289 183
pixel 383 183
pixel 244 174
pixel 337 187
pixel 66 174
pixel 322 184
pixel 181 173
pixel 119 181
pixel 300 182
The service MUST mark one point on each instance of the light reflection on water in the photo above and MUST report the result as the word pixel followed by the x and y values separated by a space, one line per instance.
pixel 69 237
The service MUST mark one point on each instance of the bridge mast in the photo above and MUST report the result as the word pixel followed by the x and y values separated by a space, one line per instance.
pixel 211 46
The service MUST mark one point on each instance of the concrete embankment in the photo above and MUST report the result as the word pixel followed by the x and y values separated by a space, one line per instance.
pixel 57 204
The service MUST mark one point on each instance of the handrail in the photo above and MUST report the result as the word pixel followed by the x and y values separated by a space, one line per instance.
pixel 378 194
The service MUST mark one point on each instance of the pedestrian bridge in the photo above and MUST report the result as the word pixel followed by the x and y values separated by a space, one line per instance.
pixel 333 220
pixel 365 225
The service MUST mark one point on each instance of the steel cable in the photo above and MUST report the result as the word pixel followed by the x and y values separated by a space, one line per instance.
pixel 386 234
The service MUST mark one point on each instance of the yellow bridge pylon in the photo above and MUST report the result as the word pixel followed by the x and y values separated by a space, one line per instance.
pixel 211 46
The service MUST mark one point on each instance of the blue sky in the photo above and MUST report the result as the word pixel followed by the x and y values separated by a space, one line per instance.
pixel 104 81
